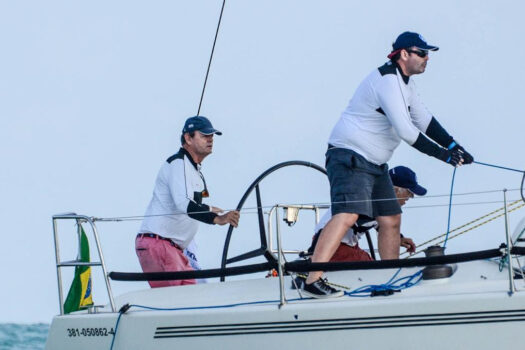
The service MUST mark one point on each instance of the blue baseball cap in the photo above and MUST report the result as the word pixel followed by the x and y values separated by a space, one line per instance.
pixel 409 39
pixel 404 177
pixel 201 124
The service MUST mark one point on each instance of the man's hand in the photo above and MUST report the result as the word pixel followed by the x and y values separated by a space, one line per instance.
pixel 216 210
pixel 231 217
pixel 409 244
pixel 467 157
pixel 453 157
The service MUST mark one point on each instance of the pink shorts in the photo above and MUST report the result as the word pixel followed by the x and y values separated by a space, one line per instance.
pixel 158 255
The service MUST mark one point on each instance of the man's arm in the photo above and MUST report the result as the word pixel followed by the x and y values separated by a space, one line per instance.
pixel 393 103
pixel 437 133
pixel 424 145
pixel 428 124
pixel 179 192
pixel 408 243
pixel 231 217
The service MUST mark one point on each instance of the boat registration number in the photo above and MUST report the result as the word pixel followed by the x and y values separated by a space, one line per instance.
pixel 90 332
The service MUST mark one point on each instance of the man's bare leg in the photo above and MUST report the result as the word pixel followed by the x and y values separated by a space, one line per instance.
pixel 330 238
pixel 389 239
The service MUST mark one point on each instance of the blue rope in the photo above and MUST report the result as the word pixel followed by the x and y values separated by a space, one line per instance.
pixel 115 331
pixel 208 307
pixel 500 167
pixel 450 207
pixel 394 276
pixel 452 188
pixel 399 284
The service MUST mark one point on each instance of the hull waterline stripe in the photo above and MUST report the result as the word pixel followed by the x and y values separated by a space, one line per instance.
pixel 324 324
pixel 509 313
pixel 338 328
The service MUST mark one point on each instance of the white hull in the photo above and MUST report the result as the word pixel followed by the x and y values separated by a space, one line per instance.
pixel 470 310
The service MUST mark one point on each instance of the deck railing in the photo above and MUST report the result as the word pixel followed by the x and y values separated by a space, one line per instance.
pixel 73 263
pixel 283 267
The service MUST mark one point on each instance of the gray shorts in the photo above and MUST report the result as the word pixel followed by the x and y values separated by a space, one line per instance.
pixel 358 186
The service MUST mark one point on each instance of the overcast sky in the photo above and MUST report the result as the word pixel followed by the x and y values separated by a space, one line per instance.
pixel 93 96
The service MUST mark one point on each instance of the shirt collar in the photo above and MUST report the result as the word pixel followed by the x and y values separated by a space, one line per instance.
pixel 406 78
pixel 188 155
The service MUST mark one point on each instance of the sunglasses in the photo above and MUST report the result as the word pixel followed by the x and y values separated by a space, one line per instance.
pixel 420 53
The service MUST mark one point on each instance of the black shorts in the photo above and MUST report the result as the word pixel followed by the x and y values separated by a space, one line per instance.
pixel 358 186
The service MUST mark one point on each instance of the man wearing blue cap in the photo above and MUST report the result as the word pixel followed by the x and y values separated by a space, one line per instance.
pixel 405 187
pixel 172 217
pixel 384 110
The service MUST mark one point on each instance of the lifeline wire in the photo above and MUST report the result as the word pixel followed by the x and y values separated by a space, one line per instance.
pixel 326 204
pixel 470 223
pixel 211 56
pixel 140 217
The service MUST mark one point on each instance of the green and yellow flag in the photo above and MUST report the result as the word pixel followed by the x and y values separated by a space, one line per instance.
pixel 79 295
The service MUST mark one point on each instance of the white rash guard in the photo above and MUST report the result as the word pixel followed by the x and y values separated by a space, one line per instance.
pixel 176 207
pixel 384 110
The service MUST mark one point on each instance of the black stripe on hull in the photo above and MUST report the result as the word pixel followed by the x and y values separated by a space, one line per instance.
pixel 341 324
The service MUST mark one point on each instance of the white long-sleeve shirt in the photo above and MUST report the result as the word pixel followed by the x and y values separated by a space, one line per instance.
pixel 384 110
pixel 176 206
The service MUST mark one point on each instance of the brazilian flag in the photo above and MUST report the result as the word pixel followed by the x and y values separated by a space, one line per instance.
pixel 79 295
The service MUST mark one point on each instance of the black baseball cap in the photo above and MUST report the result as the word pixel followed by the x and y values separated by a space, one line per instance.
pixel 409 39
pixel 404 177
pixel 201 124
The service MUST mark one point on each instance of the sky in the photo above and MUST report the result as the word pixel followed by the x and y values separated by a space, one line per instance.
pixel 93 96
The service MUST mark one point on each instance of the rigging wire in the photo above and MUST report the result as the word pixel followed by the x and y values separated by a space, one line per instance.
pixel 466 230
pixel 512 204
pixel 211 56
pixel 324 205
pixel 253 210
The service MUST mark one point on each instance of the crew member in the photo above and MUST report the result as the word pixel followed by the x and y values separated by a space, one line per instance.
pixel 384 110
pixel 405 187
pixel 173 215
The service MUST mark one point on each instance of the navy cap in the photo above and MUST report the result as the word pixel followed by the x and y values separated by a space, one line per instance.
pixel 404 177
pixel 409 39
pixel 201 124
